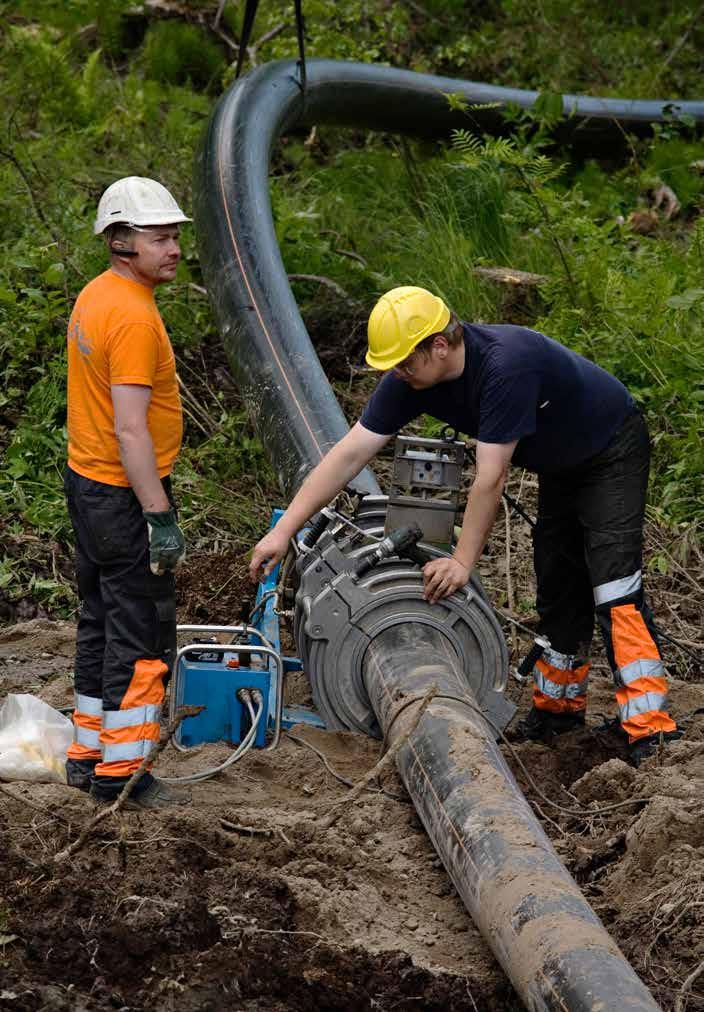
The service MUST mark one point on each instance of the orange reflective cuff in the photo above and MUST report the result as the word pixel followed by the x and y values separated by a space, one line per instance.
pixel 645 724
pixel 639 687
pixel 87 720
pixel 147 684
pixel 562 676
pixel 86 731
pixel 124 768
pixel 564 705
pixel 120 735
pixel 630 636
pixel 78 751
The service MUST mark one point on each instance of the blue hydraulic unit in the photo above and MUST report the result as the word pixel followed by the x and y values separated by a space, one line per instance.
pixel 219 661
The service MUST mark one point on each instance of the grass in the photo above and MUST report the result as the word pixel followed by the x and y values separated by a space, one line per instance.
pixel 94 91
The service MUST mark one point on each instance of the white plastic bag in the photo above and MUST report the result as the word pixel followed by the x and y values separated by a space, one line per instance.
pixel 34 738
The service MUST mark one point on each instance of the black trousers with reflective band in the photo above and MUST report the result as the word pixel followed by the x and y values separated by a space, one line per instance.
pixel 589 532
pixel 126 637
pixel 588 549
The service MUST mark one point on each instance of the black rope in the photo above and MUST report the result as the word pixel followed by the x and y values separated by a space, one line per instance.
pixel 300 33
pixel 250 12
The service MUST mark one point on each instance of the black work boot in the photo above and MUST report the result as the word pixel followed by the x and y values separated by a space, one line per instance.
pixel 541 725
pixel 158 795
pixel 79 773
pixel 149 793
pixel 644 748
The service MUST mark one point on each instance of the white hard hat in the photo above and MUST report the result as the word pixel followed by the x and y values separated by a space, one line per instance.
pixel 137 201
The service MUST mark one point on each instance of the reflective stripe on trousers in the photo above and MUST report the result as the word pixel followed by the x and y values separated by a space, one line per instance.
pixel 130 733
pixel 641 686
pixel 560 683
pixel 87 722
pixel 614 590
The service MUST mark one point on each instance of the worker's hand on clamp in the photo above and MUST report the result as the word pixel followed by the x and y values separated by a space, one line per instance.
pixel 267 553
pixel 442 577
pixel 167 545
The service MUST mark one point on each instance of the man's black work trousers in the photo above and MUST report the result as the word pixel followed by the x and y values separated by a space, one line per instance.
pixel 588 546
pixel 126 639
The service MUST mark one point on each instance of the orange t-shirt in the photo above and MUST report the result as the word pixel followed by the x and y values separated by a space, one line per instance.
pixel 116 335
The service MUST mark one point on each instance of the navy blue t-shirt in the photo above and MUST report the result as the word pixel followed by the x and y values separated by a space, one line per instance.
pixel 516 384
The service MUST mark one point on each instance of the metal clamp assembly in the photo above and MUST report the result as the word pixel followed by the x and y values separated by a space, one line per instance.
pixel 425 486
pixel 351 592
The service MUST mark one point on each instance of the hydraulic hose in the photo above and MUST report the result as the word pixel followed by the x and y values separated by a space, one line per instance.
pixel 272 359
pixel 243 747
pixel 553 947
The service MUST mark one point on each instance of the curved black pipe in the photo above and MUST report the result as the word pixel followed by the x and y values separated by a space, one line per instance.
pixel 276 368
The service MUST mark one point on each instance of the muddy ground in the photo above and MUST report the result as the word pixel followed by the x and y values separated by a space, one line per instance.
pixel 242 901
pixel 179 910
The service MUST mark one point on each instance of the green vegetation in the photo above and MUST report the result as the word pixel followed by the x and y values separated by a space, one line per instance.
pixel 95 90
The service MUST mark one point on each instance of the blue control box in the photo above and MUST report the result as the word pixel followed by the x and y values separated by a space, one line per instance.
pixel 210 682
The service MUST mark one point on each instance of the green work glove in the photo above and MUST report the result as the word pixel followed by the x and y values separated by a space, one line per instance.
pixel 167 545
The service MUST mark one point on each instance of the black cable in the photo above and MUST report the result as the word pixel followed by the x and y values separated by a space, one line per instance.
pixel 338 776
pixel 250 12
pixel 680 646
pixel 300 33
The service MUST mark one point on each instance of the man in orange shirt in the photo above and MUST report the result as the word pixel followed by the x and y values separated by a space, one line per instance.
pixel 124 434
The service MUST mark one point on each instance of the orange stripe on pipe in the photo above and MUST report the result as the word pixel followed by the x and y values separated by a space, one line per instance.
pixel 89 721
pixel 630 636
pixel 543 702
pixel 562 676
pixel 122 735
pixel 147 684
pixel 76 751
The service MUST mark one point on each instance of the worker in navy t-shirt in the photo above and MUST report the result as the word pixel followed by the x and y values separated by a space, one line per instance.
pixel 528 401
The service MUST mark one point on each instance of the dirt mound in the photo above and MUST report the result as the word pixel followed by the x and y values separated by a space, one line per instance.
pixel 33 653
pixel 640 865
pixel 177 907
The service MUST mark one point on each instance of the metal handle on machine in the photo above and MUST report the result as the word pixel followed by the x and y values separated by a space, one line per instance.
pixel 230 648
pixel 532 657
pixel 237 630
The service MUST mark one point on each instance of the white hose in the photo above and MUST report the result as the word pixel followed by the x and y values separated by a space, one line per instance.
pixel 243 747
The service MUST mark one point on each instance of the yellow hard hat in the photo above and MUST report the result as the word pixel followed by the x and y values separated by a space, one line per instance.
pixel 399 321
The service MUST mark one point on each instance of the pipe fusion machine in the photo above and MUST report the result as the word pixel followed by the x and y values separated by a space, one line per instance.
pixel 350 578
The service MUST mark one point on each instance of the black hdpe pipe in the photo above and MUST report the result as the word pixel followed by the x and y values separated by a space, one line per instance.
pixel 543 932
pixel 278 373
pixel 553 947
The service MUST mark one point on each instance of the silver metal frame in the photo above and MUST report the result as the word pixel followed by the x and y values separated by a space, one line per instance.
pixel 264 647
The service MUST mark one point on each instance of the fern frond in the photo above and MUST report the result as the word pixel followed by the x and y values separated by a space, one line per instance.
pixel 503 149
pixel 455 100
pixel 465 143
pixel 543 169
pixel 469 148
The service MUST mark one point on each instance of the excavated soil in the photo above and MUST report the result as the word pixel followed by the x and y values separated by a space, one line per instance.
pixel 244 901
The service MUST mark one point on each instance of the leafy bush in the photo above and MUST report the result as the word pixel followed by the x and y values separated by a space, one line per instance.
pixel 181 53
pixel 95 90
